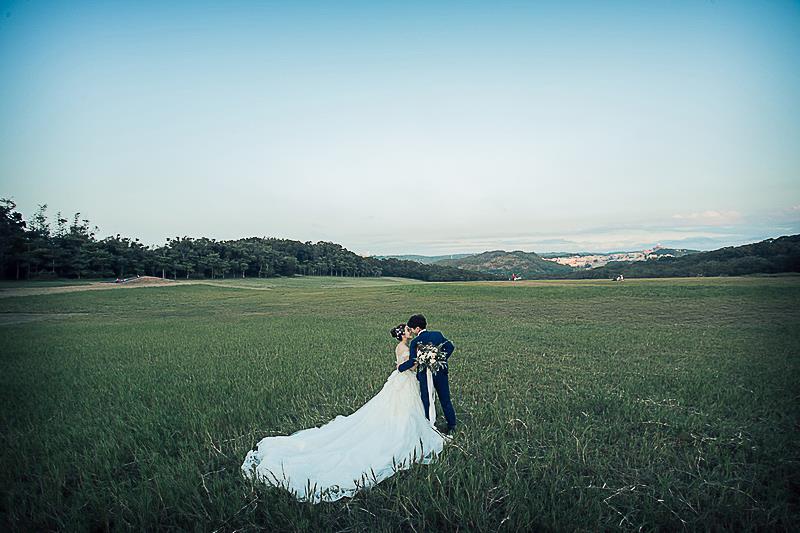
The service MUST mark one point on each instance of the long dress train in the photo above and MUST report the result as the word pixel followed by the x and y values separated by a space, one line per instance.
pixel 388 433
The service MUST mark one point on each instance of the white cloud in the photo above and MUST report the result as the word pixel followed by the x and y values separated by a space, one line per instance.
pixel 710 217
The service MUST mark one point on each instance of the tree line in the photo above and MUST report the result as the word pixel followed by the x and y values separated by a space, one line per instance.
pixel 41 248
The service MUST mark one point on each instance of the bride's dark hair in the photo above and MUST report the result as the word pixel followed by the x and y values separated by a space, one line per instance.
pixel 398 331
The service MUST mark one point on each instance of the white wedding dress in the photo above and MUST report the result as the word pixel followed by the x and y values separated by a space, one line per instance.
pixel 349 453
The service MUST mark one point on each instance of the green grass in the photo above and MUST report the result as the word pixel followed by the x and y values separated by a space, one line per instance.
pixel 310 282
pixel 583 405
pixel 10 284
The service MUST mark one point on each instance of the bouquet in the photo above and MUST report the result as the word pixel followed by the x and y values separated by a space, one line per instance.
pixel 431 357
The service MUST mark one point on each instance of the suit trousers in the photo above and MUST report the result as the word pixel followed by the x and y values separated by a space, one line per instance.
pixel 442 387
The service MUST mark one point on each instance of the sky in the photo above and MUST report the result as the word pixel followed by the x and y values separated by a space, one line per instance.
pixel 408 127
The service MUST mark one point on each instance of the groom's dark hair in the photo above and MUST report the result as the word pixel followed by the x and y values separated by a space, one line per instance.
pixel 417 321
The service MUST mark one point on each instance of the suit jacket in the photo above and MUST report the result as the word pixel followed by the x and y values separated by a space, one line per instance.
pixel 427 337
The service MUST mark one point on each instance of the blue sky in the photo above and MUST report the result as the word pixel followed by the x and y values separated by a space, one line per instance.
pixel 422 127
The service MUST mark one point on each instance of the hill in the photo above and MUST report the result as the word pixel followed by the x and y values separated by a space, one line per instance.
pixel 500 262
pixel 766 257
pixel 424 259
pixel 433 272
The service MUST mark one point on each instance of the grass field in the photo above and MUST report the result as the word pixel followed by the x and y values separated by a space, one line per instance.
pixel 652 404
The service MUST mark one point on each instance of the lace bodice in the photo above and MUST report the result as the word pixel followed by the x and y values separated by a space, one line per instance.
pixel 402 356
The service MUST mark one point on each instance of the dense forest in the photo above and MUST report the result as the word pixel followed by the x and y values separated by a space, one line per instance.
pixel 69 248
pixel 771 256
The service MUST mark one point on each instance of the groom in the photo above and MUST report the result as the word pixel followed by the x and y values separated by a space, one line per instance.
pixel 417 324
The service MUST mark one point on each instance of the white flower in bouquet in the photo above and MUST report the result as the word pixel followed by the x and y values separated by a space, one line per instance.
pixel 431 357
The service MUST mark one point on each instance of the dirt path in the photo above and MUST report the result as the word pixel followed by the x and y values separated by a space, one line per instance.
pixel 263 284
pixel 144 281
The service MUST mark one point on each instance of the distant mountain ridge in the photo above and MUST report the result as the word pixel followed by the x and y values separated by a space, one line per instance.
pixel 433 259
pixel 771 256
pixel 534 265
pixel 424 259
pixel 501 262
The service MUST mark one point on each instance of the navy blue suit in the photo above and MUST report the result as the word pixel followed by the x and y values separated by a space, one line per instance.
pixel 440 382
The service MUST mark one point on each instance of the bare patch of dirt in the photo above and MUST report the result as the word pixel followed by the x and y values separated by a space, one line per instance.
pixel 143 281
pixel 146 280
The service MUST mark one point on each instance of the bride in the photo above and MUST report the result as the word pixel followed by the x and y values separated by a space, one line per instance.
pixel 349 453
